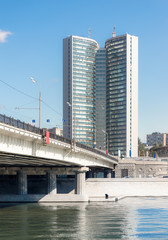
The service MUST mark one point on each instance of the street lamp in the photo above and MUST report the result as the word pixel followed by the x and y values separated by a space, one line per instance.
pixel 107 139
pixel 35 82
pixel 69 104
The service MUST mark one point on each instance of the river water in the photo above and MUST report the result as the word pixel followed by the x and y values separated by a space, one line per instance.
pixel 130 218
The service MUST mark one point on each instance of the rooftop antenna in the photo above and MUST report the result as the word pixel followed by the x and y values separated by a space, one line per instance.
pixel 89 32
pixel 114 33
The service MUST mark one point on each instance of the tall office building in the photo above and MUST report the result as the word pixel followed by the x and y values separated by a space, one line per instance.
pixel 122 94
pixel 100 99
pixel 79 89
pixel 100 93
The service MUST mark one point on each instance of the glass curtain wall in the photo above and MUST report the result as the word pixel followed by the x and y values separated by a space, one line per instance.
pixel 101 99
pixel 83 90
pixel 116 94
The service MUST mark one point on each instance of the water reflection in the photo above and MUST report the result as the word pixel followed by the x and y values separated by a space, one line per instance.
pixel 131 218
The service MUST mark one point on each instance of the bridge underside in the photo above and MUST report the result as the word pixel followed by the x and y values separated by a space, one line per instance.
pixel 30 178
pixel 14 160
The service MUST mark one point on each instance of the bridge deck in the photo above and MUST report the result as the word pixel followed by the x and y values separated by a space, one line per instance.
pixel 19 160
pixel 28 127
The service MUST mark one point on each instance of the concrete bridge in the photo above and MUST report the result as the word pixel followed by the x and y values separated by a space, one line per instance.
pixel 32 169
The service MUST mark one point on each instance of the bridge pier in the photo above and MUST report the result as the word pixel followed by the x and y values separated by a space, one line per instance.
pixel 22 182
pixel 80 180
pixel 108 173
pixel 51 182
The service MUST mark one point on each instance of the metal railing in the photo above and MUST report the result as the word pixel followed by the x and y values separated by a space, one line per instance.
pixel 17 123
pixel 60 138
pixel 94 150
pixel 28 127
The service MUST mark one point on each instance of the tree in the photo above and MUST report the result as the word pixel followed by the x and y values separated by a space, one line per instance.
pixel 141 148
pixel 156 144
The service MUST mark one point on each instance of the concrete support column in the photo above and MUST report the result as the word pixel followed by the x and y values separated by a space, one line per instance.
pixel 80 180
pixel 22 183
pixel 51 183
pixel 108 173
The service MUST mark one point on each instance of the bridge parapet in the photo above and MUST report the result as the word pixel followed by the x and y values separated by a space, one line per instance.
pixel 18 124
pixel 28 127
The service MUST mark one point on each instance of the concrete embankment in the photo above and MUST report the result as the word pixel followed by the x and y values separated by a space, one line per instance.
pixel 119 188
pixel 100 190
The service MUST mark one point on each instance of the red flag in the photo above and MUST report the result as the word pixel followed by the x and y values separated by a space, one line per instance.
pixel 47 137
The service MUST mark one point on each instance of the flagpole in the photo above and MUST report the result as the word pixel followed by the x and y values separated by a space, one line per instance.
pixel 40 109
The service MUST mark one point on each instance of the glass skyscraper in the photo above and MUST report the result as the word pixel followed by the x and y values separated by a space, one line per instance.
pixel 100 99
pixel 79 89
pixel 122 94
pixel 100 93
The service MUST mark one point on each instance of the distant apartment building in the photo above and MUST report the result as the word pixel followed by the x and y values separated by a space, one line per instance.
pixel 100 93
pixel 157 138
pixel 57 131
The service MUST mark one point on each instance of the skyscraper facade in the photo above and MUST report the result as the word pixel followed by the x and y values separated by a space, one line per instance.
pixel 100 99
pixel 122 94
pixel 79 89
pixel 100 93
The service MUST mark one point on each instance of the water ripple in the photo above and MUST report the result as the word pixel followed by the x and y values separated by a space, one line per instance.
pixel 128 219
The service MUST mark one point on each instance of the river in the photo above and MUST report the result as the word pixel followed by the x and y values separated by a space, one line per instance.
pixel 129 218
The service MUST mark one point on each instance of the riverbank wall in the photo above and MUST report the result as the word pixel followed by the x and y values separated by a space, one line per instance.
pixel 99 189
pixel 126 187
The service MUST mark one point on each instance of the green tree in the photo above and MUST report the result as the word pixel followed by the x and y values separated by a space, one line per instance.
pixel 141 148
pixel 156 144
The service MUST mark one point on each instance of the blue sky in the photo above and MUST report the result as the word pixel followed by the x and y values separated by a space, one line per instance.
pixel 31 33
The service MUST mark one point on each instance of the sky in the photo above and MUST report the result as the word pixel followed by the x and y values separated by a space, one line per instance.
pixel 31 41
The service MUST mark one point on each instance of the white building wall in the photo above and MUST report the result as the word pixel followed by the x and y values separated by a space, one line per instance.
pixel 132 96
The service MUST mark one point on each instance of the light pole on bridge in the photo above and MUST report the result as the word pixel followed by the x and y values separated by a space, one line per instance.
pixel 35 82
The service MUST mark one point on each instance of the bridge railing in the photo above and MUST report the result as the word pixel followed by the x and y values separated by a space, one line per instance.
pixel 17 123
pixel 26 126
pixel 93 150
pixel 60 138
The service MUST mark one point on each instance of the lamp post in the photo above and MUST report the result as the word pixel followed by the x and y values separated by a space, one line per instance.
pixel 35 82
pixel 107 139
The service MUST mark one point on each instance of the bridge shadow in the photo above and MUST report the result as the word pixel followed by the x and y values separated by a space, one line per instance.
pixel 8 205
